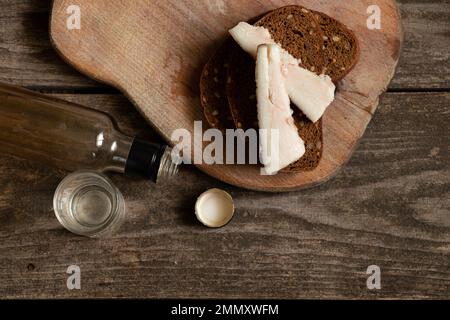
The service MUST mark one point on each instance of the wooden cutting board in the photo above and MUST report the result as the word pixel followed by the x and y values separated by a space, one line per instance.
pixel 154 50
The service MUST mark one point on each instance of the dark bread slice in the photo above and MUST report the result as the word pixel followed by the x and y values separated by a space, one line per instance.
pixel 341 51
pixel 312 135
pixel 240 81
pixel 241 88
pixel 213 94
pixel 213 85
pixel 296 29
pixel 241 92
pixel 340 47
pixel 339 56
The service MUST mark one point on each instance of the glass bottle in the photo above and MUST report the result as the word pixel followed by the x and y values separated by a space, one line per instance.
pixel 72 137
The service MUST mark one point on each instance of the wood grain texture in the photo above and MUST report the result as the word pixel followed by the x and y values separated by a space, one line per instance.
pixel 156 63
pixel 26 54
pixel 389 206
pixel 425 63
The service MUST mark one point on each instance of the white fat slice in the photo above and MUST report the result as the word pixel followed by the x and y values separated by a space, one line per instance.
pixel 250 37
pixel 311 93
pixel 280 143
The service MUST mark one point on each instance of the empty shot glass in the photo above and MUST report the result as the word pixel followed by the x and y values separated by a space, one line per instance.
pixel 87 203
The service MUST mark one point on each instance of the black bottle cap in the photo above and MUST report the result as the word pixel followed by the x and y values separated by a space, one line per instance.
pixel 144 159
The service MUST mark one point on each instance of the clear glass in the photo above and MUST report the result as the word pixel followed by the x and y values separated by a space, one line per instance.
pixel 87 203
pixel 59 133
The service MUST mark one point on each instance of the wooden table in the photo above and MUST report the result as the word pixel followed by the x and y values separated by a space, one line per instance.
pixel 390 206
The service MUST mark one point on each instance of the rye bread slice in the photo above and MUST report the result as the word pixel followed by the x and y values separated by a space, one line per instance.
pixel 241 89
pixel 213 94
pixel 239 76
pixel 340 47
pixel 296 29
pixel 213 85
pixel 339 58
pixel 241 92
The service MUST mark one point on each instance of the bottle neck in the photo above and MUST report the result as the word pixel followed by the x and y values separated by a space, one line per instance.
pixel 150 160
pixel 120 150
pixel 168 168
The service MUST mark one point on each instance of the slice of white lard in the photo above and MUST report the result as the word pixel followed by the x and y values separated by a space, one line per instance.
pixel 280 143
pixel 311 93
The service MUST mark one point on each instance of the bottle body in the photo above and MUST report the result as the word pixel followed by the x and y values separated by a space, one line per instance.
pixel 66 135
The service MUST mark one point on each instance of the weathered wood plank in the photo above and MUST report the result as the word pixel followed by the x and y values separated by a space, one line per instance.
pixel 425 61
pixel 389 206
pixel 27 58
pixel 26 55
